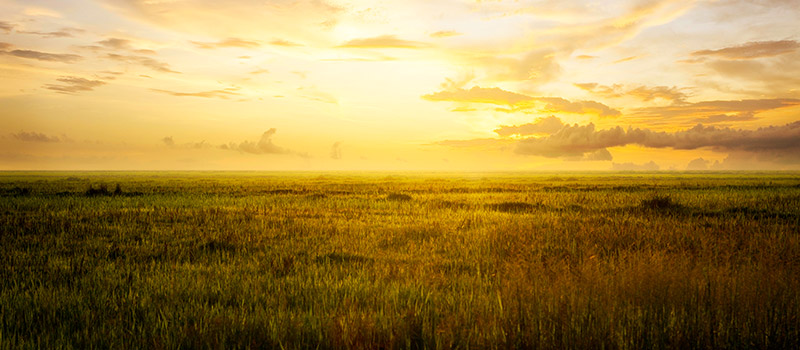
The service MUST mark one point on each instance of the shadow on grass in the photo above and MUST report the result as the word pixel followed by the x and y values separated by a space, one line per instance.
pixel 342 258
pixel 398 197
pixel 514 207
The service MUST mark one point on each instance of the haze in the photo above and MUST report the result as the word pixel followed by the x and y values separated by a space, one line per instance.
pixel 399 85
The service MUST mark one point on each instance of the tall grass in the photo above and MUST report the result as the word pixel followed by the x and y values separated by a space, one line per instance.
pixel 197 260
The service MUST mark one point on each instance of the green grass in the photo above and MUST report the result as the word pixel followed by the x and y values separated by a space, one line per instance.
pixel 375 260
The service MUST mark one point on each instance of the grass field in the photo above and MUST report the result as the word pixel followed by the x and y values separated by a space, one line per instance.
pixel 408 260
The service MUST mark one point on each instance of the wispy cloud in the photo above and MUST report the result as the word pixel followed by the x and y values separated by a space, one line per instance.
pixel 143 61
pixel 444 34
pixel 35 137
pixel 221 93
pixel 645 93
pixel 384 41
pixel 6 27
pixel 541 126
pixel 752 50
pixel 116 43
pixel 38 55
pixel 63 33
pixel 521 102
pixel 626 59
pixel 723 118
pixel 285 43
pixel 74 85
pixel 705 108
pixel 229 42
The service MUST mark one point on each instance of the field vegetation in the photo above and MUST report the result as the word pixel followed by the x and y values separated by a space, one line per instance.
pixel 399 261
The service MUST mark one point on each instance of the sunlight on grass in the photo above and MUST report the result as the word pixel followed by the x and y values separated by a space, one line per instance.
pixel 349 260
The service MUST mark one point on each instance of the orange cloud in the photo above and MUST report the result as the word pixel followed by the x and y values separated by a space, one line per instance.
pixel 444 34
pixel 644 93
pixel 547 125
pixel 143 61
pixel 751 50
pixel 282 42
pixel 521 102
pixel 223 93
pixel 229 42
pixel 74 85
pixel 384 41
pixel 479 95
pixel 38 55
pixel 705 108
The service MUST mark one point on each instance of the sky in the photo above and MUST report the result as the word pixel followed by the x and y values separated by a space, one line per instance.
pixel 450 85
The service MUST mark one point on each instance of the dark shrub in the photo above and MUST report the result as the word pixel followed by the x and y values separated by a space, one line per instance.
pixel 659 202
pixel 514 207
pixel 398 197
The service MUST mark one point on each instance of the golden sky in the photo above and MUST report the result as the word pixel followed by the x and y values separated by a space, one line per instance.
pixel 399 85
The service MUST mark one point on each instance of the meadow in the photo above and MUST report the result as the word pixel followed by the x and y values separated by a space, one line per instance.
pixel 283 260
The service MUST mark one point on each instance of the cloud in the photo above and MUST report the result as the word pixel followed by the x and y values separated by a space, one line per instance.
pixel 479 95
pixel 444 34
pixel 38 55
pixel 519 102
pixel 285 43
pixel 74 85
pixel 222 93
pixel 307 21
pixel 752 50
pixel 314 94
pixel 170 142
pixel 705 108
pixel 776 76
pixel 6 27
pixel 578 140
pixel 558 104
pixel 698 164
pixel 599 155
pixel 263 146
pixel 116 43
pixel 721 118
pixel 35 137
pixel 649 166
pixel 384 41
pixel 537 66
pixel 336 150
pixel 644 93
pixel 229 42
pixel 143 61
pixel 546 125
pixel 475 143
pixel 63 33
pixel 626 59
